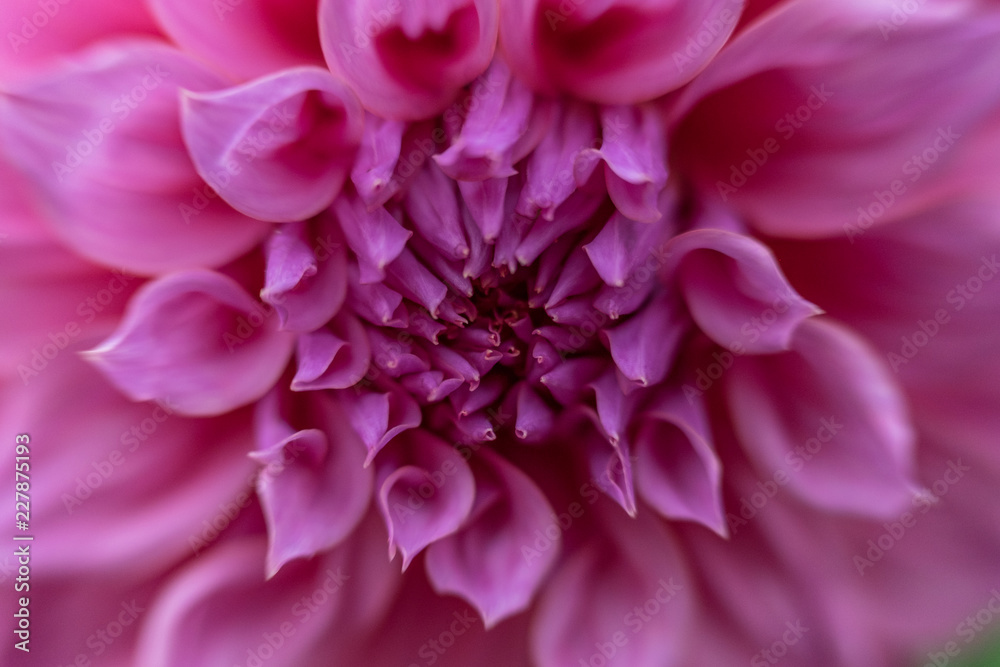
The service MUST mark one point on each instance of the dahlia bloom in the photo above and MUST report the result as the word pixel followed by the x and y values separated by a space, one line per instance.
pixel 481 333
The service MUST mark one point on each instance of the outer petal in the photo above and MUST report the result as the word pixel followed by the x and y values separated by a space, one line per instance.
pixel 408 60
pixel 489 562
pixel 677 470
pixel 614 51
pixel 306 276
pixel 312 487
pixel 278 148
pixel 736 291
pixel 426 491
pixel 100 138
pixel 34 33
pixel 595 596
pixel 197 340
pixel 219 611
pixel 103 467
pixel 844 122
pixel 248 38
pixel 826 412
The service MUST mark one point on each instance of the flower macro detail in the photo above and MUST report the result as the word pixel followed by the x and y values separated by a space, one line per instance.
pixel 508 333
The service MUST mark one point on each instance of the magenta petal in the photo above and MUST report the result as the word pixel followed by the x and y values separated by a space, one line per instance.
pixel 490 562
pixel 594 595
pixel 312 486
pixel 100 138
pixel 245 38
pixel 635 154
pixel 379 417
pixel 374 236
pixel 826 411
pixel 373 173
pixel 408 60
pixel 614 51
pixel 498 131
pixel 678 472
pixel 425 493
pixel 736 292
pixel 644 346
pixel 550 167
pixel 432 205
pixel 196 340
pixel 335 357
pixel 622 245
pixel 306 284
pixel 278 148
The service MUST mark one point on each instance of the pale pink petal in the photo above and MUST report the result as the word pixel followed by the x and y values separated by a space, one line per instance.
pixel 100 138
pixel 408 60
pixel 426 491
pixel 312 486
pixel 244 38
pixel 826 411
pixel 197 340
pixel 736 291
pixel 613 51
pixel 277 148
pixel 489 562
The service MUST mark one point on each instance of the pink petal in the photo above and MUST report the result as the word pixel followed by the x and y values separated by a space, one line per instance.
pixel 373 173
pixel 823 412
pixel 644 346
pixel 306 276
pixel 100 138
pixel 278 148
pixel 489 562
pixel 247 39
pixel 312 486
pixel 379 417
pixel 736 291
pixel 374 236
pixel 503 125
pixel 197 340
pixel 408 60
pixel 109 467
pixel 678 472
pixel 334 357
pixel 614 51
pixel 602 601
pixel 838 108
pixel 425 493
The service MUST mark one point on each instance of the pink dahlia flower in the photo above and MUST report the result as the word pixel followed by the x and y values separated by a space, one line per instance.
pixel 627 333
